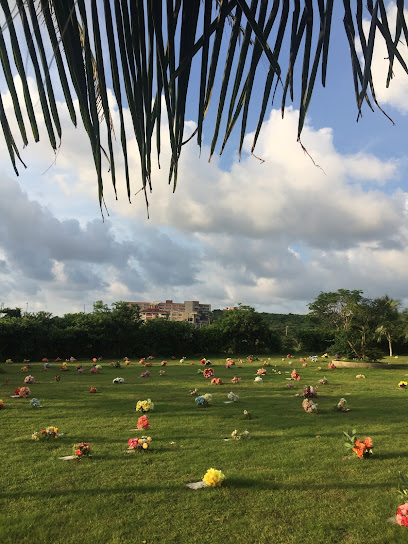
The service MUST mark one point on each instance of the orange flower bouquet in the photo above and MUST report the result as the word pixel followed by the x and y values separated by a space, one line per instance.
pixel 362 448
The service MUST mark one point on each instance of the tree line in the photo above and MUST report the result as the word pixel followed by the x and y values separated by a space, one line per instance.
pixel 342 322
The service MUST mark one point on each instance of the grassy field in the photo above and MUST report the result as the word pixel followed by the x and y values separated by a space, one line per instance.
pixel 289 483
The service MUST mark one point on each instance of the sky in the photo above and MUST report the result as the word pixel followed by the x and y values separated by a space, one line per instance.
pixel 271 235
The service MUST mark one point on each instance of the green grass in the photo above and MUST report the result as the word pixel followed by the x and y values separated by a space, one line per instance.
pixel 284 485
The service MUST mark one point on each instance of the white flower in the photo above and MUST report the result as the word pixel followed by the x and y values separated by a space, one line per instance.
pixel 119 380
pixel 258 379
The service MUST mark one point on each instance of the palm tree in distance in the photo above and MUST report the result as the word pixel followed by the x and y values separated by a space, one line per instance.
pixel 144 49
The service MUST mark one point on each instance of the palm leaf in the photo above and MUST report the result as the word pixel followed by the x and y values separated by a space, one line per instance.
pixel 158 41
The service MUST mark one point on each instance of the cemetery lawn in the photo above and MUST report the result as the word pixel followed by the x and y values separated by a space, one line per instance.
pixel 289 483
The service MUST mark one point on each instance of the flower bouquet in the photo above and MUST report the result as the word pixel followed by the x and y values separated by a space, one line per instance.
pixel 232 396
pixel 162 372
pixel 261 372
pixel 127 362
pixel 115 364
pixel 118 380
pixel 295 375
pixel 289 385
pixel 341 406
pixel 163 363
pixel 309 392
pixel 9 361
pixel 331 366
pixel 194 392
pixel 24 368
pixel 216 381
pixel 94 370
pixel 57 360
pixel 29 380
pixel 402 385
pixel 82 449
pixel 402 512
pixel 362 448
pixel 143 423
pixel 35 403
pixel 258 379
pixel 49 432
pixel 45 360
pixel 213 477
pixel 78 366
pixel 145 374
pixel 139 444
pixel 309 406
pixel 92 390
pixel 141 361
pixel 47 366
pixel 57 378
pixel 64 366
pixel 235 380
pixel 208 373
pixel 148 364
pixel 144 405
pixel 22 392
pixel 323 380
pixel 247 415
pixel 237 436
pixel 203 400
pixel 2 406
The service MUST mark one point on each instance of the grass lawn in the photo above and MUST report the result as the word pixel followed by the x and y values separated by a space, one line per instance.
pixel 289 483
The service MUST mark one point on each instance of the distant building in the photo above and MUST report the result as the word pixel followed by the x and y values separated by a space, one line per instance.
pixel 189 310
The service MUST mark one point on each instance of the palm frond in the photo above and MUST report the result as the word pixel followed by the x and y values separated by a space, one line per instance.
pixel 148 49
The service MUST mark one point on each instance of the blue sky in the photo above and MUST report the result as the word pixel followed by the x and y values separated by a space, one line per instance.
pixel 271 235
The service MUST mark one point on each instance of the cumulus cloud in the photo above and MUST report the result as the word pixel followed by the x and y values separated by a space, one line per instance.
pixel 272 235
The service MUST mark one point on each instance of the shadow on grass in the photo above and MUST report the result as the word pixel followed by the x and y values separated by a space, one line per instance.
pixel 232 484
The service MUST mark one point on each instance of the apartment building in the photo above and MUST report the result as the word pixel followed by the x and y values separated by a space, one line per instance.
pixel 189 310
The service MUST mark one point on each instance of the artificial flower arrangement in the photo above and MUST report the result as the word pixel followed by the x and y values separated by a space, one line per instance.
pixel 295 375
pixel 229 362
pixel 163 363
pixel 304 364
pixel 148 364
pixel 57 360
pixel 261 372
pixel 151 357
pixel 9 361
pixel 208 373
pixel 141 361
pixel 118 380
pixel 93 390
pixel 127 362
pixel 144 405
pixel 49 432
pixel 203 400
pixel 78 366
pixel 324 356
pixel 309 392
pixel 82 449
pixel 139 444
pixel 98 367
pixel 57 377
pixel 182 359
pixel 331 366
pixel 359 376
pixel 145 374
pixel 47 366
pixel 64 366
pixel 80 370
pixel 45 360
pixel 203 361
pixel 289 385
pixel 6 381
pixel 162 372
pixel 29 380
pixel 314 358
pixel 402 385
pixel 213 477
pixel 35 403
pixel 216 381
pixel 247 415
pixel 143 423
pixel 2 406
pixel 194 392
pixel 94 370
pixel 235 380
pixel 362 448
pixel 341 406
pixel 115 364
pixel 402 511
pixel 24 368
pixel 237 436
pixel 22 392
pixel 250 358
pixel 323 380
pixel 309 406
pixel 257 379
pixel 232 396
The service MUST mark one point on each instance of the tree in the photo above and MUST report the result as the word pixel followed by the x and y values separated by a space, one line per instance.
pixel 125 48
pixel 390 322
